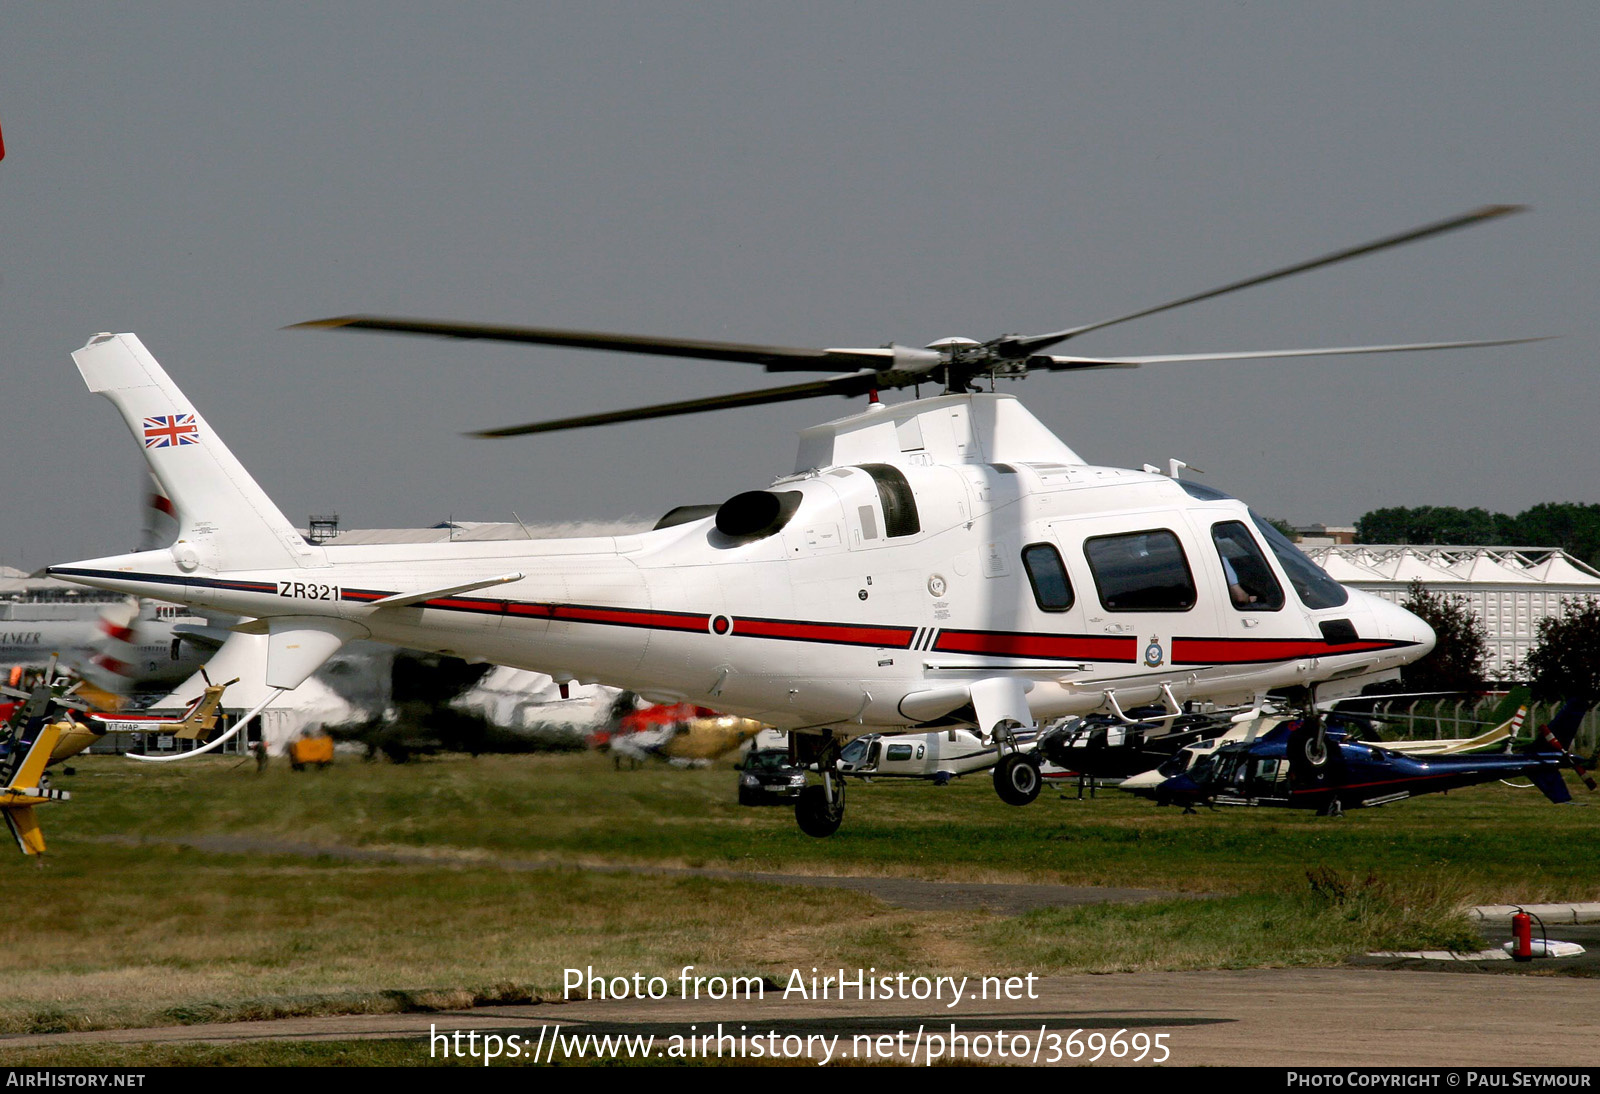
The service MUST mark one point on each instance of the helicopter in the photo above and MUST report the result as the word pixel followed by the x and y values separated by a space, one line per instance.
pixel 1290 767
pixel 940 562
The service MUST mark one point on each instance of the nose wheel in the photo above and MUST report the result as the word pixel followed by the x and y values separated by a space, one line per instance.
pixel 820 809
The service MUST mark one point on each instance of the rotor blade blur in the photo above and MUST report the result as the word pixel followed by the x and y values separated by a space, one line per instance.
pixel 774 358
pixel 1064 363
pixel 858 384
pixel 1020 347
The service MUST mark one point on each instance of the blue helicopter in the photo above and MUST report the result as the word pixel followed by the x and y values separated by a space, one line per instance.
pixel 1312 764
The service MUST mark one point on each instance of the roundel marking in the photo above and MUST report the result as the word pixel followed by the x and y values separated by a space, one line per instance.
pixel 721 624
pixel 1153 654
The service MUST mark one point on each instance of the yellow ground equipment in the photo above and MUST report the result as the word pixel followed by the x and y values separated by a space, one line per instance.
pixel 310 752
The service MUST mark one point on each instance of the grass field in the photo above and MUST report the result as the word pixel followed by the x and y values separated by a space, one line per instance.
pixel 120 926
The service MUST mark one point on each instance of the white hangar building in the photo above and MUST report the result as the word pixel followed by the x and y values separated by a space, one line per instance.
pixel 1509 589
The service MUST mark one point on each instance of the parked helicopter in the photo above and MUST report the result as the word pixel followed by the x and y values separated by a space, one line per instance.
pixel 1154 747
pixel 941 562
pixel 1101 746
pixel 1302 766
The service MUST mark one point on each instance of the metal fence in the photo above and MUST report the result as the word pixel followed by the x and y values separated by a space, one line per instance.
pixel 1440 719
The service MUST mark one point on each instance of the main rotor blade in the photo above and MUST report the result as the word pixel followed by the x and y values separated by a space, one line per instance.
pixel 774 358
pixel 1062 363
pixel 856 384
pixel 1021 347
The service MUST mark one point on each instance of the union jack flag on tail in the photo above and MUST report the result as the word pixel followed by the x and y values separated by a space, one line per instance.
pixel 170 430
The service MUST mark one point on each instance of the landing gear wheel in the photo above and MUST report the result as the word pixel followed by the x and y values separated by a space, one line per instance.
pixel 1016 779
pixel 816 815
pixel 1315 751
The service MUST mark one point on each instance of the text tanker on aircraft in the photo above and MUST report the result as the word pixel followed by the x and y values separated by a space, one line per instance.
pixel 945 561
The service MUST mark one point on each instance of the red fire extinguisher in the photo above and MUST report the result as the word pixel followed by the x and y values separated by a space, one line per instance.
pixel 1522 936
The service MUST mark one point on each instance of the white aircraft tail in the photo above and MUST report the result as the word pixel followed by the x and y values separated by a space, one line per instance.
pixel 224 520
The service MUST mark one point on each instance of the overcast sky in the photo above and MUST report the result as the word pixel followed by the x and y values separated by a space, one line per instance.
pixel 818 175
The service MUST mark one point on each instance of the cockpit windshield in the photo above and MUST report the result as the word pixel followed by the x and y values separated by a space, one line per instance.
pixel 1175 764
pixel 1311 584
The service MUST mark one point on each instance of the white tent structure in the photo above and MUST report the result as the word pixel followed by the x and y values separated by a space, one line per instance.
pixel 1508 589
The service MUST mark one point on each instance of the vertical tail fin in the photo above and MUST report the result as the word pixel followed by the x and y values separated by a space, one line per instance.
pixel 1563 728
pixel 223 517
pixel 1557 738
pixel 23 794
pixel 1551 784
pixel 201 715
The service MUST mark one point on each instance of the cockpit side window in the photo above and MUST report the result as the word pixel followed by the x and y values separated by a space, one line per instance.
pixel 1052 589
pixel 1251 586
pixel 1141 572
pixel 1314 588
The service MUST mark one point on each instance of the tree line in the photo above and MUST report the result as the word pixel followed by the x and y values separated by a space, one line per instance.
pixel 1572 526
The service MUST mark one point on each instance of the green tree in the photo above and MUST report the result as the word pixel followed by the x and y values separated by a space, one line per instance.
pixel 1442 524
pixel 1572 527
pixel 1565 659
pixel 1456 663
pixel 1384 526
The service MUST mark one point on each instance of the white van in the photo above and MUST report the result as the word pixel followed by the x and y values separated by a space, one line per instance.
pixel 937 756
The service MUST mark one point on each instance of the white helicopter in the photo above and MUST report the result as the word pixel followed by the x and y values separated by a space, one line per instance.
pixel 941 562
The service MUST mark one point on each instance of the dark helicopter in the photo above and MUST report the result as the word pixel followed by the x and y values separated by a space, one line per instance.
pixel 1308 765
pixel 1101 746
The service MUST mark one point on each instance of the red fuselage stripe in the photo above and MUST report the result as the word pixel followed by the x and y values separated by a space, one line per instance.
pixel 1064 647
pixel 845 634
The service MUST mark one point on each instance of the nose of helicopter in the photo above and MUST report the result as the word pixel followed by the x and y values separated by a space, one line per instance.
pixel 1400 625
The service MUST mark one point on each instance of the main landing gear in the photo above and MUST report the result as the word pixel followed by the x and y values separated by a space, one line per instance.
pixel 820 809
pixel 1017 779
pixel 1001 704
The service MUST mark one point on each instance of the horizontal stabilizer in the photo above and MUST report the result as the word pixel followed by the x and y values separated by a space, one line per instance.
pixel 405 600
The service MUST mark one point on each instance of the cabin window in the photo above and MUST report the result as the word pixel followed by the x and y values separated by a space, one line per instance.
pixel 899 503
pixel 1141 572
pixel 899 752
pixel 1251 586
pixel 1052 589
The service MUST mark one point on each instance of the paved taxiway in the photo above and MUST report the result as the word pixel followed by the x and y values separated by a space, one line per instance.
pixel 1395 1016
pixel 1271 1017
